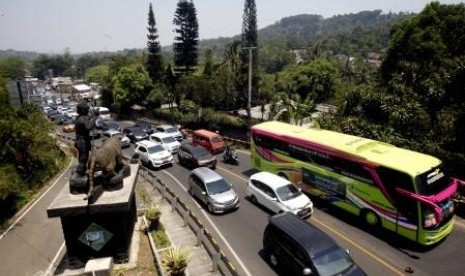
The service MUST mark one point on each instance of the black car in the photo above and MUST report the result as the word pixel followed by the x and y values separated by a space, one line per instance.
pixel 113 125
pixel 295 247
pixel 196 156
pixel 95 133
pixel 146 127
pixel 135 134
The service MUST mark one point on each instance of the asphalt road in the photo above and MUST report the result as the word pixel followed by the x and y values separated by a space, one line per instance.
pixel 30 246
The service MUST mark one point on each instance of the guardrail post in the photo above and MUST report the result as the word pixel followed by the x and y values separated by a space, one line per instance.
pixel 173 203
pixel 163 192
pixel 216 257
pixel 185 217
pixel 199 234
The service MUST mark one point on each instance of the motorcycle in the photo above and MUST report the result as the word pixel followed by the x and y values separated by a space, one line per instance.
pixel 231 157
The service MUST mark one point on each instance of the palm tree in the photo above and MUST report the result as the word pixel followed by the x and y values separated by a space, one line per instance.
pixel 229 69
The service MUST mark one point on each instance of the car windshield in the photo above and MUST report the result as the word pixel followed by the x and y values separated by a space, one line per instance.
pixel 155 149
pixel 171 130
pixel 200 151
pixel 168 140
pixel 217 187
pixel 332 261
pixel 113 125
pixel 138 132
pixel 288 192
pixel 216 139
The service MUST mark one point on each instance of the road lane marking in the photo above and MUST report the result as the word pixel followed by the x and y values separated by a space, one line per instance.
pixel 342 236
pixel 238 176
pixel 54 264
pixel 227 244
pixel 214 227
pixel 182 187
pixel 35 202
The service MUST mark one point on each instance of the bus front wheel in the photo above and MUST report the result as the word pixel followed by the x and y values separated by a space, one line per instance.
pixel 370 218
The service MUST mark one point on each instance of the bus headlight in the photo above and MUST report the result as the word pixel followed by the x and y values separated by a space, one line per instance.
pixel 429 221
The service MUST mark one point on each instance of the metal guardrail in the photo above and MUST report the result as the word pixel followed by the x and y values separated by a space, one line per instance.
pixel 220 262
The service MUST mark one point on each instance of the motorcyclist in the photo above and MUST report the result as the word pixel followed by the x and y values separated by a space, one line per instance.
pixel 229 153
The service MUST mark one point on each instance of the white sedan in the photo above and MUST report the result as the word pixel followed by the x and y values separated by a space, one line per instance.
pixel 278 194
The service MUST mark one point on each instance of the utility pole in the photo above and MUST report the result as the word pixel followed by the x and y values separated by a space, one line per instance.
pixel 249 94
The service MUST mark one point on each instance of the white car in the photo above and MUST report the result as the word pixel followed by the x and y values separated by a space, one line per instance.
pixel 170 130
pixel 278 194
pixel 153 154
pixel 166 140
pixel 112 133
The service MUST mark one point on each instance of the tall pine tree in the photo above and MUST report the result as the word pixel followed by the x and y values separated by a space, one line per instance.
pixel 154 59
pixel 186 41
pixel 249 39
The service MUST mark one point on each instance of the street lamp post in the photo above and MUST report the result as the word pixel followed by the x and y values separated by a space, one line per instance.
pixel 249 94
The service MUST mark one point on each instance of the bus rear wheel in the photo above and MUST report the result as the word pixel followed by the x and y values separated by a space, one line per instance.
pixel 370 218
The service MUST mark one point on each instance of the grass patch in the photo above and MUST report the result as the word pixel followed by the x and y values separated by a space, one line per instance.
pixel 160 238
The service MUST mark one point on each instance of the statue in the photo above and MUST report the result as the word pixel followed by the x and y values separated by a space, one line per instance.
pixel 83 125
pixel 109 161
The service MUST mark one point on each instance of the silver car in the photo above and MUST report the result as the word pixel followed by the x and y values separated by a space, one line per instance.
pixel 213 190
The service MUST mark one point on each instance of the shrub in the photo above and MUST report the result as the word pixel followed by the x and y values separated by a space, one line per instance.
pixel 175 261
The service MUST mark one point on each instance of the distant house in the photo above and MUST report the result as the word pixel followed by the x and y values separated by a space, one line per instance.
pixel 81 91
pixel 374 60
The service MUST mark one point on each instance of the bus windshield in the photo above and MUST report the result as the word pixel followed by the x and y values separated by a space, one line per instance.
pixel 432 182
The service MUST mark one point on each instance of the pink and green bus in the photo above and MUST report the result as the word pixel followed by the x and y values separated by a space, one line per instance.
pixel 401 190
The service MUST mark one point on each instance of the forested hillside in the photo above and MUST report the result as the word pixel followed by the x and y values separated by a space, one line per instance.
pixel 354 34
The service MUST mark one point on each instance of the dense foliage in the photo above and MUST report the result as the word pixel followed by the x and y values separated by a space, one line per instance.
pixel 249 73
pixel 29 155
pixel 154 59
pixel 186 41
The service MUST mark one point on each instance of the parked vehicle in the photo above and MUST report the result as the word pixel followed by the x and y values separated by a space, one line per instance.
pixel 278 194
pixel 212 141
pixel 135 134
pixel 166 140
pixel 125 142
pixel 171 130
pixel 152 154
pixel 196 156
pixel 212 190
pixel 295 247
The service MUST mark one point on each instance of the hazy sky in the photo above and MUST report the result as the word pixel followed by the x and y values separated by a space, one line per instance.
pixel 50 26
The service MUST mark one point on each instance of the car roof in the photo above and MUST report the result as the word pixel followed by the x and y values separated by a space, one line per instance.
pixel 191 147
pixel 112 131
pixel 206 174
pixel 206 133
pixel 312 239
pixel 165 126
pixel 147 143
pixel 160 135
pixel 271 179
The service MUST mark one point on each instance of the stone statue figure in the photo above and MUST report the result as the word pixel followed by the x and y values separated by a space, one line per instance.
pixel 83 125
pixel 108 160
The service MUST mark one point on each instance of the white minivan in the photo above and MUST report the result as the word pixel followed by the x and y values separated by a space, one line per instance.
pixel 104 113
pixel 278 194
pixel 166 140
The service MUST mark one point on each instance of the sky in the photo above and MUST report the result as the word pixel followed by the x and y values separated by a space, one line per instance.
pixel 51 26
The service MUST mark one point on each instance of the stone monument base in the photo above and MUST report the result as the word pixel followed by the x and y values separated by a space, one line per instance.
pixel 99 228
